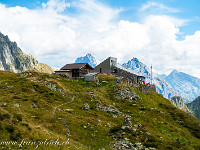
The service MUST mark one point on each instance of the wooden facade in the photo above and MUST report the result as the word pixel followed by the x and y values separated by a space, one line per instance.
pixel 64 73
pixel 75 70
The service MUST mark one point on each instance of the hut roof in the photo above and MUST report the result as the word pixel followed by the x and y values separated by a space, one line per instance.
pixel 75 66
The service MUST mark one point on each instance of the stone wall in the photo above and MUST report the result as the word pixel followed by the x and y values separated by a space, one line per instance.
pixel 145 88
pixel 125 74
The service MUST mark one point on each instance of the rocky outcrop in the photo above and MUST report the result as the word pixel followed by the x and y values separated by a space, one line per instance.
pixel 86 106
pixel 125 93
pixel 179 103
pixel 127 122
pixel 108 109
pixel 53 86
pixel 194 106
pixel 125 144
pixel 13 59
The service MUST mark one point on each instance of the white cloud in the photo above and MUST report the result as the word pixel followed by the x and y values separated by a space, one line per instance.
pixel 155 7
pixel 56 38
pixel 56 5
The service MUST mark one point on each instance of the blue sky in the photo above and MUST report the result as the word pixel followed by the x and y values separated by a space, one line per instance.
pixel 165 33
pixel 187 10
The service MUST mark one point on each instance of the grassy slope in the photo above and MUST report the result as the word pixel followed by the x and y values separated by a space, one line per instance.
pixel 42 115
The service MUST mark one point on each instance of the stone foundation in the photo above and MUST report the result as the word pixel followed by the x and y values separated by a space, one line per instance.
pixel 145 88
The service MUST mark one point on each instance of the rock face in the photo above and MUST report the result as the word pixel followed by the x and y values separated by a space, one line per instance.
pixel 179 103
pixel 108 109
pixel 54 87
pixel 186 84
pixel 87 59
pixel 194 106
pixel 13 59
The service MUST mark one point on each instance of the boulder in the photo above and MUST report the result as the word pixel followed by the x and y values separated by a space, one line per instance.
pixel 127 122
pixel 86 106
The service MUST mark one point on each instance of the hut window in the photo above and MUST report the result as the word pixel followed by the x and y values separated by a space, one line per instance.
pixel 114 70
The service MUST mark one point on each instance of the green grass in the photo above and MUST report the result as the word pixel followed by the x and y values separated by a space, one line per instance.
pixel 33 112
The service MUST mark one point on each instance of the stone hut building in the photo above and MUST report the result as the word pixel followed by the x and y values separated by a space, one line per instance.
pixel 110 66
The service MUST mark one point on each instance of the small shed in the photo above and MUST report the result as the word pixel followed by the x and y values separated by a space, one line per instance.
pixel 91 77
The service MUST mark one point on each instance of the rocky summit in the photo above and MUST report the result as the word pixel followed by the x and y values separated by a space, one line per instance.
pixel 13 59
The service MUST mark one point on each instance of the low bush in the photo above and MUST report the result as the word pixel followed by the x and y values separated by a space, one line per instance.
pixel 18 117
pixel 10 128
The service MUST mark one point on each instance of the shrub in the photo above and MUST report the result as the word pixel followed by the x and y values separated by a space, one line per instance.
pixel 1 117
pixel 6 116
pixel 1 127
pixel 10 128
pixel 128 130
pixel 16 97
pixel 15 137
pixel 115 129
pixel 18 117
pixel 25 99
pixel 26 125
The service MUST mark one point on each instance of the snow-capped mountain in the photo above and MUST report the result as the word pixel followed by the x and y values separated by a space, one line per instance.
pixel 162 86
pixel 87 59
pixel 138 67
pixel 163 76
pixel 184 83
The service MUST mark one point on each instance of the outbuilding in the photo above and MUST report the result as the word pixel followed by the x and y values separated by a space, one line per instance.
pixel 91 77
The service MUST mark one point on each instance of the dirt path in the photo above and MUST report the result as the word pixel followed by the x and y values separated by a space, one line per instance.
pixel 54 110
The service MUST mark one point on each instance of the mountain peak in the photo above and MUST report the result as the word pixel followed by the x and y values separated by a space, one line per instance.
pixel 161 85
pixel 175 71
pixel 89 55
pixel 185 83
pixel 135 59
pixel 87 59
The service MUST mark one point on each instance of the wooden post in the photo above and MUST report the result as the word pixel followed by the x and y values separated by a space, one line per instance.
pixel 151 75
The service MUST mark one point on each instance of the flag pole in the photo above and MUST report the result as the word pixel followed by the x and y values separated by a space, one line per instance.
pixel 151 74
